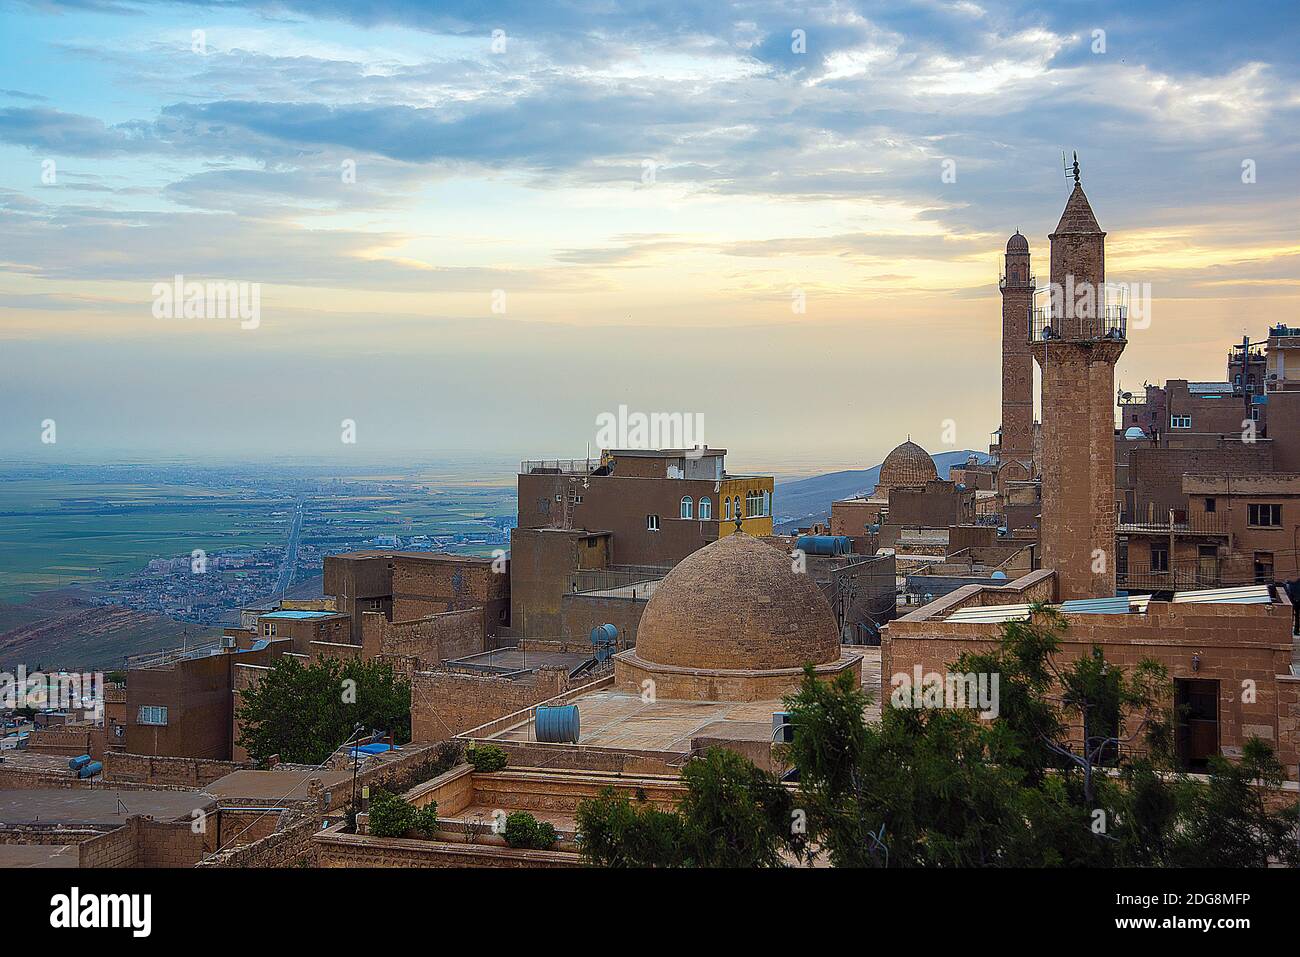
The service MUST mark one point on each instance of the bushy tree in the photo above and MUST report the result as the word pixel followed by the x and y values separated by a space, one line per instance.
pixel 303 712
pixel 734 814
pixel 391 815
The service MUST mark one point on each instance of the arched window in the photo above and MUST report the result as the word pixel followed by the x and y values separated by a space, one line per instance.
pixel 736 503
pixel 726 503
pixel 687 506
pixel 706 510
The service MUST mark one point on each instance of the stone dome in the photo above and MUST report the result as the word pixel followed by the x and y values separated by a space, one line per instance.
pixel 1017 244
pixel 908 465
pixel 736 605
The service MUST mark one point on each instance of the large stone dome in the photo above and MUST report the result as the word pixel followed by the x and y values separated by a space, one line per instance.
pixel 909 465
pixel 737 605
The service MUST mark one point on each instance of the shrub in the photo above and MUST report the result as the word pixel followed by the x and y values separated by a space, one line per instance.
pixel 487 757
pixel 446 755
pixel 525 831
pixel 426 820
pixel 391 815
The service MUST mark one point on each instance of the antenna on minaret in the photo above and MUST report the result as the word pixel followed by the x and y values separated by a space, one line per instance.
pixel 1071 168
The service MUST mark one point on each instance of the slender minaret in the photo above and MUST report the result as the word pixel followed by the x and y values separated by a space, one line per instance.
pixel 1076 345
pixel 1017 442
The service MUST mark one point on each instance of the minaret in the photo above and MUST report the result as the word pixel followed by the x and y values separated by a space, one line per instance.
pixel 1017 442
pixel 1076 345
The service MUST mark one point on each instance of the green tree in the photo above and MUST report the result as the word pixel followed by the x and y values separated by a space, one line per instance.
pixel 614 832
pixel 391 815
pixel 734 814
pixel 303 712
pixel 1228 822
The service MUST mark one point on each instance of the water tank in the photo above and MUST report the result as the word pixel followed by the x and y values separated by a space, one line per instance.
pixel 824 544
pixel 999 576
pixel 1133 432
pixel 90 770
pixel 79 762
pixel 604 635
pixel 557 724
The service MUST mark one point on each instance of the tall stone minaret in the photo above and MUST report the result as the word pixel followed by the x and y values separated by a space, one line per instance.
pixel 1017 443
pixel 1076 346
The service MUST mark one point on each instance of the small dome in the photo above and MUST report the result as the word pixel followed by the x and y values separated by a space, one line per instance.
pixel 1017 244
pixel 734 605
pixel 1133 432
pixel 909 465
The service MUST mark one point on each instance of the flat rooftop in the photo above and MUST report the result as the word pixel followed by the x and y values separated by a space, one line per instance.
pixel 618 719
pixel 301 615
pixel 100 808
pixel 1119 605
pixel 514 659
pixel 39 855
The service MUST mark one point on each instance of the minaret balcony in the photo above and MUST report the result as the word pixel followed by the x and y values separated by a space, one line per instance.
pixel 1004 283
pixel 1111 324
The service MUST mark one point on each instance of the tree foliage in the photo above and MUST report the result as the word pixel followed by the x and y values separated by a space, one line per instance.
pixel 1074 769
pixel 734 814
pixel 303 712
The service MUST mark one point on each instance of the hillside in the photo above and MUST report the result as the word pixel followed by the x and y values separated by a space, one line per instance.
pixel 804 501
pixel 74 634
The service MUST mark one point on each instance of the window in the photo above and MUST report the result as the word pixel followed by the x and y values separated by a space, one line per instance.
pixel 688 507
pixel 706 509
pixel 727 505
pixel 1180 421
pixel 1159 558
pixel 268 629
pixel 1263 568
pixel 753 503
pixel 1264 516
pixel 652 523
pixel 1211 504
pixel 735 501
pixel 152 714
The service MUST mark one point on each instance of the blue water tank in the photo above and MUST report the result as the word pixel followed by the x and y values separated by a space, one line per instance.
pixel 79 762
pixel 604 635
pixel 557 724
pixel 999 575
pixel 824 544
pixel 90 770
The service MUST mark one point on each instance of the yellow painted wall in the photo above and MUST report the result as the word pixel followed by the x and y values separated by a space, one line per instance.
pixel 732 488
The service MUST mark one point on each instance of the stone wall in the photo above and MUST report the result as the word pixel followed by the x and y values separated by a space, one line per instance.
pixel 336 849
pixel 445 704
pixel 144 842
pixel 154 769
pixel 1240 646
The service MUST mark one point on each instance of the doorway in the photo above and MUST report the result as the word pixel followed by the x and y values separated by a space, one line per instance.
pixel 1196 710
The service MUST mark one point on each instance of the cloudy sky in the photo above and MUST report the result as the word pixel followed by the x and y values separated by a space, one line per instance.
pixel 477 226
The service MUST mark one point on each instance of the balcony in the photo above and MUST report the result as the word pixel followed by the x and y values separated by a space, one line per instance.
pixel 558 466
pixel 1111 323
pixel 1149 521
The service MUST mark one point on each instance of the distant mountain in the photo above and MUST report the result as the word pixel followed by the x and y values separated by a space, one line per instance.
pixel 804 501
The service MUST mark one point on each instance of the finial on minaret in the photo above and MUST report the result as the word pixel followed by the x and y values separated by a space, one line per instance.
pixel 1076 168
pixel 738 520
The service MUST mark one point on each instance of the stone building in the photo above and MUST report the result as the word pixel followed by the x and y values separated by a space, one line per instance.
pixel 1231 653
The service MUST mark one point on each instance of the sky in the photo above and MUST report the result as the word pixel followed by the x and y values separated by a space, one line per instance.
pixel 478 226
